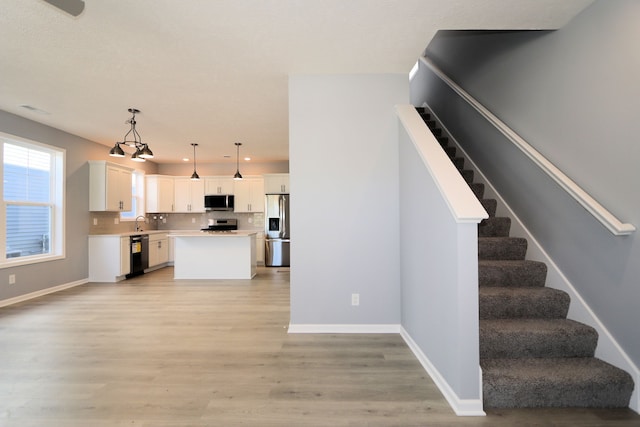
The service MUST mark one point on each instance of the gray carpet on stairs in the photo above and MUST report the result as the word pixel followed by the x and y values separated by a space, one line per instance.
pixel 530 354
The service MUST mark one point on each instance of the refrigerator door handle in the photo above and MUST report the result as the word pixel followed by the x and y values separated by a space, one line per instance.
pixel 283 217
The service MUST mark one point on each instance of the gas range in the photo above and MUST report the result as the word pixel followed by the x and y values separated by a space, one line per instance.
pixel 222 225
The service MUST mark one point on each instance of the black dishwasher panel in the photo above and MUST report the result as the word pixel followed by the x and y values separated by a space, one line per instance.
pixel 139 254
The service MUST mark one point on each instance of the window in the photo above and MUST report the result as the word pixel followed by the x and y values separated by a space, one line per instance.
pixel 137 197
pixel 32 202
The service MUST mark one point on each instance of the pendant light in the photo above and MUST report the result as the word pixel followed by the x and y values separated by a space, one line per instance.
pixel 194 176
pixel 142 150
pixel 237 175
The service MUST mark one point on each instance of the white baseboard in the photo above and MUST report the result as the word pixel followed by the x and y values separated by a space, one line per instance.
pixel 343 329
pixel 25 297
pixel 462 407
pixel 608 348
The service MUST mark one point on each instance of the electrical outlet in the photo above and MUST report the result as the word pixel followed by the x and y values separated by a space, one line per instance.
pixel 193 220
pixel 116 221
pixel 12 279
pixel 95 221
pixel 355 299
pixel 164 220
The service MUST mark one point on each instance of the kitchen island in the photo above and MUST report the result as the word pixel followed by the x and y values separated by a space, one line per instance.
pixel 214 255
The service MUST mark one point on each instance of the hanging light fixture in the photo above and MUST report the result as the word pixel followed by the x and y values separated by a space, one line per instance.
pixel 237 175
pixel 142 150
pixel 194 176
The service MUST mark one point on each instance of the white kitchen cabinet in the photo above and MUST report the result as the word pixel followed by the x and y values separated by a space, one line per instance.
pixel 110 187
pixel 249 194
pixel 109 258
pixel 218 185
pixel 159 194
pixel 158 249
pixel 188 195
pixel 276 183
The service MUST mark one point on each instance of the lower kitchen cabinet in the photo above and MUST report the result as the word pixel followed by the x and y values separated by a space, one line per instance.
pixel 109 258
pixel 158 249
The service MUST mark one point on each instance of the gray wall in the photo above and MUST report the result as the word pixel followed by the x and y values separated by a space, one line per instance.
pixel 572 94
pixel 344 204
pixel 35 277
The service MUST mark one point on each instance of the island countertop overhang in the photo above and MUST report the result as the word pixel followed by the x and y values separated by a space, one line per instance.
pixel 238 233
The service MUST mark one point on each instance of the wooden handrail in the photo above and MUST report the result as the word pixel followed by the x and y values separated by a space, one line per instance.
pixel 606 218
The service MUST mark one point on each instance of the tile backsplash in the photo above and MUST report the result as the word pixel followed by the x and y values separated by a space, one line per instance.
pixel 105 222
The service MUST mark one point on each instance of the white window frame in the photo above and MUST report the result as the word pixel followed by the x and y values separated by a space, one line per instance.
pixel 57 243
pixel 138 197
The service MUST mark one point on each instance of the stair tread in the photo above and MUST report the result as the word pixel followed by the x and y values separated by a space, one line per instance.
pixel 554 382
pixel 522 291
pixel 534 326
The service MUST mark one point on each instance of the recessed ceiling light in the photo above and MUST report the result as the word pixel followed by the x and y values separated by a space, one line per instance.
pixel 247 158
pixel 185 159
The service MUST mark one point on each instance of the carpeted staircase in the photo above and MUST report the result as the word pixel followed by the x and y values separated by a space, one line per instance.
pixel 531 355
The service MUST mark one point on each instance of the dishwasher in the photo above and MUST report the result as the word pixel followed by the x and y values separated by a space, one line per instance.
pixel 139 254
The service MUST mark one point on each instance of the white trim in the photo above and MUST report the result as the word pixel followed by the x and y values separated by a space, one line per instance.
pixel 608 348
pixel 462 203
pixel 462 407
pixel 606 218
pixel 343 329
pixel 36 294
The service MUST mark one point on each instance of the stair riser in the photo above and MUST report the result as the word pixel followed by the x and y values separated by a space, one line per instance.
pixel 536 306
pixel 524 274
pixel 495 248
pixel 605 395
pixel 573 382
pixel 494 227
pixel 478 189
pixel 533 343
pixel 490 205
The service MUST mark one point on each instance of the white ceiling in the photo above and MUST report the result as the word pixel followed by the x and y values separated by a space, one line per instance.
pixel 216 72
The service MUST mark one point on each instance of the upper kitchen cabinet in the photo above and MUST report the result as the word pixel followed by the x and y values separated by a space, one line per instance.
pixel 110 187
pixel 188 195
pixel 249 194
pixel 218 185
pixel 159 194
pixel 276 183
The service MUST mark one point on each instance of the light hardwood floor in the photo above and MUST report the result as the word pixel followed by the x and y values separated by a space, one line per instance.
pixel 152 351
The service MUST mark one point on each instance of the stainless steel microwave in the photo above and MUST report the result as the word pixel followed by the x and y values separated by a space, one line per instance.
pixel 219 202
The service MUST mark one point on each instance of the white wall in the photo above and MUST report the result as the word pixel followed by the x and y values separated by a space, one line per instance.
pixel 343 162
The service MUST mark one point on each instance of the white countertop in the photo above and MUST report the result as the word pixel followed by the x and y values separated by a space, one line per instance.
pixel 132 233
pixel 235 233
pixel 179 232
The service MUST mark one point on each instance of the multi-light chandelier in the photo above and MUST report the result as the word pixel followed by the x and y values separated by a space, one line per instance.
pixel 142 150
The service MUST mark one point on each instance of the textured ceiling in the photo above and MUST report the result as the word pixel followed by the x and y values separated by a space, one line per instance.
pixel 216 71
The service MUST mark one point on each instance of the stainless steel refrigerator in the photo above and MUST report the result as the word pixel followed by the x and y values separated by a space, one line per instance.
pixel 276 230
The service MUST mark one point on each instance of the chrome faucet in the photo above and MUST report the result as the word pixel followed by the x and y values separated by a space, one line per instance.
pixel 137 226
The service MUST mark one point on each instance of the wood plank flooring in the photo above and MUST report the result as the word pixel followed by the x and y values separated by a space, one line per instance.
pixel 152 351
